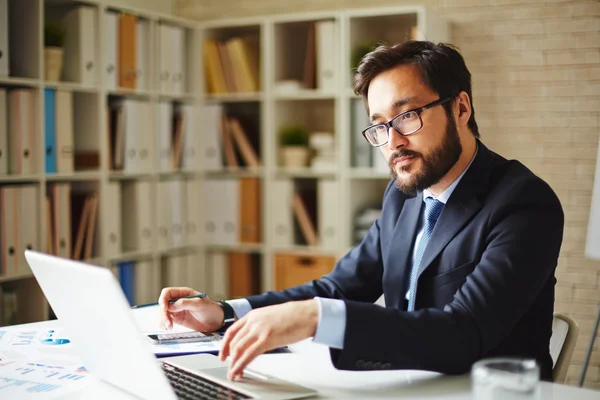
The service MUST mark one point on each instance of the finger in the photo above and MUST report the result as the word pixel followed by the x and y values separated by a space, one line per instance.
pixel 168 294
pixel 236 369
pixel 186 305
pixel 230 334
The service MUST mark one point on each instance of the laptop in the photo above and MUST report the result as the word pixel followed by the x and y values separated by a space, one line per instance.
pixel 92 307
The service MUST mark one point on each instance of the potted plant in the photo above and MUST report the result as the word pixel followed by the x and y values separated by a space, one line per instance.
pixel 359 52
pixel 54 38
pixel 293 145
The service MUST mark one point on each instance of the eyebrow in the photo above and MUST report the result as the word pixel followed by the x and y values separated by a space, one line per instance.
pixel 397 104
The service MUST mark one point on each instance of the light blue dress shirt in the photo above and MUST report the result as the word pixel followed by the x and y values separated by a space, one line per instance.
pixel 332 312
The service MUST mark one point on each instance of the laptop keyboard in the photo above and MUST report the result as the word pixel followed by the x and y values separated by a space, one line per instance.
pixel 189 386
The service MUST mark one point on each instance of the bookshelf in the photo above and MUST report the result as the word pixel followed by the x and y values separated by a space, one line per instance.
pixel 175 152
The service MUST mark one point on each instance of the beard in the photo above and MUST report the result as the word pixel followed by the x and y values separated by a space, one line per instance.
pixel 435 165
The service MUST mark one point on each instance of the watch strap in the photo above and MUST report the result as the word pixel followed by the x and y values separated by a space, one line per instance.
pixel 228 315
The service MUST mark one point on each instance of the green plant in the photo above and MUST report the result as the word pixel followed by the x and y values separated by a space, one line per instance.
pixel 54 34
pixel 293 135
pixel 359 52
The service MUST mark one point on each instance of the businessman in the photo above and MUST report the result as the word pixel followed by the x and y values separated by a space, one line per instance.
pixel 464 252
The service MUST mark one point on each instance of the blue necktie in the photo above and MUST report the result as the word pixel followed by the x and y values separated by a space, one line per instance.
pixel 433 209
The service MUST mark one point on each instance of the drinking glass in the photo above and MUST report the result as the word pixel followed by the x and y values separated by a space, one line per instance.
pixel 505 379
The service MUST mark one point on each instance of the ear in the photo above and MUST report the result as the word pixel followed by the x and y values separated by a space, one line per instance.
pixel 463 109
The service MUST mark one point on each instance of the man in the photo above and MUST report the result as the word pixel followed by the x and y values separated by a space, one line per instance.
pixel 464 251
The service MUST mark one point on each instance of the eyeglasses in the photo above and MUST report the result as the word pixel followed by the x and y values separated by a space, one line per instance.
pixel 405 123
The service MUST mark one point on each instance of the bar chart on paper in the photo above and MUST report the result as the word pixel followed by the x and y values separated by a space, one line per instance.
pixel 21 379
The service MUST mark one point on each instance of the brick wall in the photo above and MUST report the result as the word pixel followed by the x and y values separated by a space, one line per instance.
pixel 536 77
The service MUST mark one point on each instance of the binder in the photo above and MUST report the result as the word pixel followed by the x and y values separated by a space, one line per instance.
pixel 84 136
pixel 178 76
pixel 4 42
pixel 326 49
pixel 28 222
pixel 229 205
pixel 80 62
pixel 177 209
pixel 211 137
pixel 361 149
pixel 137 223
pixel 211 225
pixel 191 138
pixel 127 280
pixel 111 38
pixel 9 235
pixel 249 211
pixel 61 211
pixel 127 51
pixel 242 274
pixel 142 54
pixel 217 274
pixel 163 216
pixel 327 213
pixel 164 132
pixel 3 133
pixel 281 213
pixel 165 58
pixel 174 271
pixel 64 131
pixel 111 220
pixel 196 271
pixel 21 134
pixel 132 131
pixel 194 202
pixel 145 144
pixel 50 129
pixel 147 282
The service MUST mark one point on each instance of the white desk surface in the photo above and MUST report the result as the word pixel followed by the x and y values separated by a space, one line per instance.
pixel 309 364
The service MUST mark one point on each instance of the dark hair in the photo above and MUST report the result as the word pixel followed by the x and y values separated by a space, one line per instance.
pixel 441 66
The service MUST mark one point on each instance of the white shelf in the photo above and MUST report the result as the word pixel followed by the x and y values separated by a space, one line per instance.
pixel 20 178
pixel 233 97
pixel 368 173
pixel 306 94
pixel 72 86
pixel 241 247
pixel 236 173
pixel 74 177
pixel 17 81
pixel 304 173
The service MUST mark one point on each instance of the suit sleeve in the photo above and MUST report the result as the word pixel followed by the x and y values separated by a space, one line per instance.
pixel 524 238
pixel 356 276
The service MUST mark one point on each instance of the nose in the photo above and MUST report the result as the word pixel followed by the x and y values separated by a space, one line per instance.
pixel 395 139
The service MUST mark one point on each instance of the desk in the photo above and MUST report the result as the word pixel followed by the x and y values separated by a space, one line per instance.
pixel 308 364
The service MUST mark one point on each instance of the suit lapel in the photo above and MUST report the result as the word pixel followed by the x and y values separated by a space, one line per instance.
pixel 401 248
pixel 461 207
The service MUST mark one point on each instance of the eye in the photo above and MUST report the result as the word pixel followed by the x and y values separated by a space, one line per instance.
pixel 409 116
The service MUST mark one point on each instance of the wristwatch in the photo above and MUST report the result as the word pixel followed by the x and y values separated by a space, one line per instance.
pixel 228 316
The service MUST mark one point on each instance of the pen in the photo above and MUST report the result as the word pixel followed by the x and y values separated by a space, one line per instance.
pixel 196 296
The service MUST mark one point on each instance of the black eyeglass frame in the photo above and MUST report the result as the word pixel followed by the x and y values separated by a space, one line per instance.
pixel 390 124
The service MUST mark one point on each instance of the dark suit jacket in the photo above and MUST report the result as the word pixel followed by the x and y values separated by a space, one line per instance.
pixel 488 284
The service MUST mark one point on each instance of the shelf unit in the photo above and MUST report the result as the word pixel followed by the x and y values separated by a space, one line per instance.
pixel 283 41
pixel 262 112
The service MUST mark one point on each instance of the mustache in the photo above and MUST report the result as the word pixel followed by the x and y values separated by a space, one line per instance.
pixel 404 153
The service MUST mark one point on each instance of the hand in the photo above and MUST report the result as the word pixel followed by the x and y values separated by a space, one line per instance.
pixel 267 328
pixel 202 315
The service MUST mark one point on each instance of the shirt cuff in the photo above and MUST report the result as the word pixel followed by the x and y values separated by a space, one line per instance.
pixel 332 323
pixel 241 307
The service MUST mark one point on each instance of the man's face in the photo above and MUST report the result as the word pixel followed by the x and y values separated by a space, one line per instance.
pixel 421 159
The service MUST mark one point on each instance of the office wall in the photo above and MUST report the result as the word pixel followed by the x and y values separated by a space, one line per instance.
pixel 536 76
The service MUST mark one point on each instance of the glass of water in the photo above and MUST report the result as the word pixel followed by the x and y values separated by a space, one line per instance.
pixel 505 379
